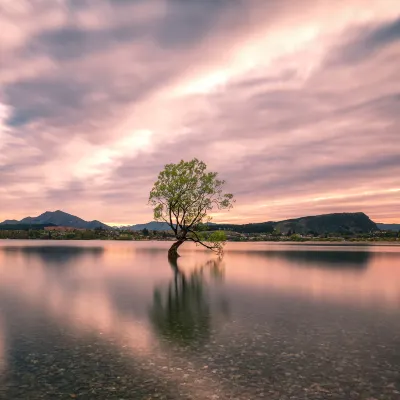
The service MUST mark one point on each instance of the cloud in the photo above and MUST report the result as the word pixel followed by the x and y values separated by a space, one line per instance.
pixel 384 34
pixel 288 104
pixel 369 40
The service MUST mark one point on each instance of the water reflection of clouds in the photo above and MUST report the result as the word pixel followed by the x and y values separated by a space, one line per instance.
pixel 311 256
pixel 363 277
pixel 99 283
pixel 2 346
pixel 54 254
pixel 98 290
pixel 93 287
pixel 339 259
pixel 79 297
pixel 109 294
pixel 101 304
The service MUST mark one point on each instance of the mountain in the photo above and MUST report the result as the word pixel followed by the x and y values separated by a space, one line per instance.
pixel 388 227
pixel 23 227
pixel 319 224
pixel 260 227
pixel 328 223
pixel 151 226
pixel 58 218
pixel 9 222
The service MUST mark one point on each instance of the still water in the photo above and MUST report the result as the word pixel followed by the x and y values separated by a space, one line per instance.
pixel 114 320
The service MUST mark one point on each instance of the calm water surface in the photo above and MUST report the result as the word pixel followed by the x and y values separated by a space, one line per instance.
pixel 114 320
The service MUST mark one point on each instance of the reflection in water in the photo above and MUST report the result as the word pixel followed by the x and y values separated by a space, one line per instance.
pixel 306 271
pixel 2 347
pixel 54 255
pixel 183 314
pixel 100 329
pixel 323 259
pixel 53 364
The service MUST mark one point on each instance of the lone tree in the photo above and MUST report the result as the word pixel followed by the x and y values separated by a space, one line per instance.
pixel 183 196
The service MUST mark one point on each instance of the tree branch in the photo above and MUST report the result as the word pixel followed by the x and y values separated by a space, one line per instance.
pixel 171 224
pixel 215 248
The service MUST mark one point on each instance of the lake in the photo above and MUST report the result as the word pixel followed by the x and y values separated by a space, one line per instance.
pixel 114 320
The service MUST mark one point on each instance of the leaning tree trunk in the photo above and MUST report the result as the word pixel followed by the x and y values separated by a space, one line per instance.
pixel 173 251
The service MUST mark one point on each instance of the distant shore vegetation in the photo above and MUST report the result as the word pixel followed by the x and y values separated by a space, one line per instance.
pixel 61 233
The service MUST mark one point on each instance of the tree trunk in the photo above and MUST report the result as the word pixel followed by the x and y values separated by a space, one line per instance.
pixel 173 251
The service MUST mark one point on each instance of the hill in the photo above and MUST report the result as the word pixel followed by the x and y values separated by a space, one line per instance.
pixel 261 227
pixel 388 227
pixel 59 218
pixel 343 223
pixel 9 222
pixel 23 227
pixel 151 226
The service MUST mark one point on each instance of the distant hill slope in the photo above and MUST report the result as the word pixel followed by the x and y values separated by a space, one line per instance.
pixel 388 227
pixel 59 218
pixel 22 227
pixel 151 226
pixel 244 228
pixel 260 227
pixel 10 222
pixel 328 223
pixel 319 224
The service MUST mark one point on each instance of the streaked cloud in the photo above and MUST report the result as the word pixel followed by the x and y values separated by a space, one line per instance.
pixel 297 107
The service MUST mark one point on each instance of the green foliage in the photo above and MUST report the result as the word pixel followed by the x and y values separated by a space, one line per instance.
pixel 215 236
pixel 145 232
pixel 34 234
pixel 125 236
pixel 215 239
pixel 202 227
pixel 88 235
pixel 184 195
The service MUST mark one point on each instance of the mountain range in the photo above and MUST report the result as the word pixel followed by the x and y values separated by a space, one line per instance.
pixel 327 223
pixel 59 218
pixel 319 224
pixel 388 227
pixel 343 223
pixel 151 226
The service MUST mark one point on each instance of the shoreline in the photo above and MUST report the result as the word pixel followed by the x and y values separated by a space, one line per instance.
pixel 286 242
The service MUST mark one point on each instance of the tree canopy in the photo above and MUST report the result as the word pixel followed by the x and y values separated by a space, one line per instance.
pixel 183 196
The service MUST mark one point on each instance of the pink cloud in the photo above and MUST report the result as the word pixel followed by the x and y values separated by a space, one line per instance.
pixel 288 104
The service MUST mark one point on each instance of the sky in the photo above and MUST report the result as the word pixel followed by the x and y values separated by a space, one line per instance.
pixel 296 104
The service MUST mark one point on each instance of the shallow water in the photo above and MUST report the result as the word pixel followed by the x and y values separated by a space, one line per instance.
pixel 114 320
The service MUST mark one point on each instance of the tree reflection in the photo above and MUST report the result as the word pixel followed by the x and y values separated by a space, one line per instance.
pixel 182 312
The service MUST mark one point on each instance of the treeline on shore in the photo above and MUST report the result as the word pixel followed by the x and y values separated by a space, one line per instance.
pixel 145 234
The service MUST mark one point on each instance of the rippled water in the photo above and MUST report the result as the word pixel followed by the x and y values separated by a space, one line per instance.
pixel 114 320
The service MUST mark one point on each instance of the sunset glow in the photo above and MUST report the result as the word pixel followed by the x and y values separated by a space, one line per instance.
pixel 295 104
